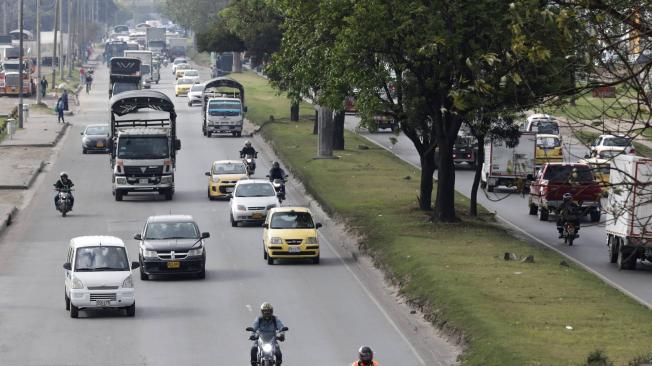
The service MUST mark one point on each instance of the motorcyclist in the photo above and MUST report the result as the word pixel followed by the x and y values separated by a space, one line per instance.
pixel 276 172
pixel 64 183
pixel 247 150
pixel 365 357
pixel 267 325
pixel 566 209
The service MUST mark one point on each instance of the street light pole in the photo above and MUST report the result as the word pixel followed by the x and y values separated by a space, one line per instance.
pixel 20 66
pixel 54 49
pixel 38 52
pixel 61 39
pixel 69 51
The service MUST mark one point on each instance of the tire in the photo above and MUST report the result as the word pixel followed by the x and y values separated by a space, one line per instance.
pixel 208 193
pixel 201 275
pixel 63 213
pixel 143 276
pixel 483 185
pixel 623 262
pixel 203 131
pixel 74 311
pixel 264 252
pixel 270 260
pixel 84 151
pixel 233 222
pixel 490 188
pixel 315 260
pixel 168 195
pixel 613 249
pixel 542 214
pixel 67 300
pixel 533 209
pixel 569 240
pixel 595 215
pixel 189 104
pixel 131 310
pixel 118 195
pixel 239 134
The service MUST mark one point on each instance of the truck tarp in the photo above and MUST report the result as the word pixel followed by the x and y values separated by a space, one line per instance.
pixel 225 83
pixel 132 101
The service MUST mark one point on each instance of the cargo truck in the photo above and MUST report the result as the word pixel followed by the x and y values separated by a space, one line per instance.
pixel 145 58
pixel 223 107
pixel 177 47
pixel 143 151
pixel 629 211
pixel 508 166
pixel 155 38
pixel 124 70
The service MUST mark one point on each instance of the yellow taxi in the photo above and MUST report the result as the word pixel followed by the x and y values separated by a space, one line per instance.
pixel 290 233
pixel 549 149
pixel 223 176
pixel 182 87
pixel 600 168
pixel 178 73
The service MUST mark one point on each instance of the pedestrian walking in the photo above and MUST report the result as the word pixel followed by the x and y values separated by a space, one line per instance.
pixel 59 109
pixel 89 82
pixel 82 75
pixel 44 86
pixel 64 98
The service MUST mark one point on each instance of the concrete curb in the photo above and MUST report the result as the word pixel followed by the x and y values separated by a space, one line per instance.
pixel 54 142
pixel 29 182
pixel 7 220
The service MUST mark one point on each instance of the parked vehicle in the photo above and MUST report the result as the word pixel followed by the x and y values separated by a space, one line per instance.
pixel 223 107
pixel 629 207
pixel 555 179
pixel 383 121
pixel 98 275
pixel 290 233
pixel 509 166
pixel 171 245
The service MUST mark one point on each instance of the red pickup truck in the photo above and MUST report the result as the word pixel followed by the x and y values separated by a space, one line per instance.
pixel 555 179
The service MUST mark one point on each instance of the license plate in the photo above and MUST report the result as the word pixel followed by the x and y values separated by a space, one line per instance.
pixel 173 265
pixel 103 302
pixel 294 249
pixel 99 144
pixel 257 216
pixel 143 181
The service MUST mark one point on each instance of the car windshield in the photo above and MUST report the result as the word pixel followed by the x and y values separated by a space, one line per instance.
pixel 255 190
pixel 180 61
pixel 143 147
pixel 171 230
pixel 292 220
pixel 101 258
pixel 185 81
pixel 97 130
pixel 123 87
pixel 224 108
pixel 191 73
pixel 145 69
pixel 548 142
pixel 229 168
pixel 568 173
pixel 600 168
pixel 464 141
pixel 550 127
pixel 616 141
pixel 197 88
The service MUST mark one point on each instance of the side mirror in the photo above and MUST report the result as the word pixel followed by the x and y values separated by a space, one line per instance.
pixel 284 329
pixel 177 144
pixel 205 235
pixel 208 174
pixel 67 266
pixel 249 329
pixel 138 237
pixel 81 133
pixel 318 225
pixel 266 225
pixel 135 265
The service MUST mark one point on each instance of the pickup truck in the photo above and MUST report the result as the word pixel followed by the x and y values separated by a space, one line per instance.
pixel 556 179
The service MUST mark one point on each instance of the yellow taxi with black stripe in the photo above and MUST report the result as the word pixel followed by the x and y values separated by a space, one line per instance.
pixel 548 150
pixel 223 176
pixel 290 233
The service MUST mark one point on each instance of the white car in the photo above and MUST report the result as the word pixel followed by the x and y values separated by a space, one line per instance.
pixel 98 275
pixel 542 123
pixel 191 74
pixel 195 94
pixel 608 146
pixel 178 61
pixel 251 201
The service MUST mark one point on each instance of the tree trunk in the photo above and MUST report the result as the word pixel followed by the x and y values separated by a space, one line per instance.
pixel 445 208
pixel 325 136
pixel 425 189
pixel 237 62
pixel 479 159
pixel 315 127
pixel 294 112
pixel 338 130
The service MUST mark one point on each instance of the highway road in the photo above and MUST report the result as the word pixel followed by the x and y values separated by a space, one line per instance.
pixel 589 249
pixel 331 308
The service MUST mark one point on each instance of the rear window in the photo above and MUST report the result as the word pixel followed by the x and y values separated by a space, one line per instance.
pixel 616 141
pixel 568 174
pixel 548 142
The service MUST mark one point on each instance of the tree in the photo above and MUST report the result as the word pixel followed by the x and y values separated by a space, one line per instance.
pixel 219 39
pixel 198 15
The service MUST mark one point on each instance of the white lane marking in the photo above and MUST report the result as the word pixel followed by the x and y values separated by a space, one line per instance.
pixel 373 299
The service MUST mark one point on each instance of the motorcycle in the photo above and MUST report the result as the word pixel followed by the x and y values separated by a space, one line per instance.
pixel 279 187
pixel 267 346
pixel 570 228
pixel 64 202
pixel 250 162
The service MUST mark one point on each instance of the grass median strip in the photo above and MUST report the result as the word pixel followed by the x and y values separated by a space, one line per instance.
pixel 511 312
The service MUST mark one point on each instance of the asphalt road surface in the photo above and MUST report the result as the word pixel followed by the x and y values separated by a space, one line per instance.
pixel 590 249
pixel 329 308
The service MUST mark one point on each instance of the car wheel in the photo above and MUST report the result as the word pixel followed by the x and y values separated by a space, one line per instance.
pixel 168 195
pixel 74 311
pixel 131 310
pixel 613 249
pixel 233 222
pixel 189 104
pixel 264 252
pixel 490 188
pixel 239 134
pixel 208 193
pixel 625 259
pixel 483 185
pixel 143 276
pixel 595 215
pixel 202 274
pixel 118 195
pixel 84 151
pixel 543 214
pixel 67 300
pixel 533 209
pixel 270 260
pixel 316 259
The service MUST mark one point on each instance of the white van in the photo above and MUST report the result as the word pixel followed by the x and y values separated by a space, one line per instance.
pixel 98 275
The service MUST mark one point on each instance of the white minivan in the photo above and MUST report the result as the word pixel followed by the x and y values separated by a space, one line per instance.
pixel 98 275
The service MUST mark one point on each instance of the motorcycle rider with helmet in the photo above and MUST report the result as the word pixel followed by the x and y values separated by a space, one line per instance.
pixel 267 324
pixel 249 150
pixel 365 357
pixel 566 209
pixel 64 183
pixel 278 173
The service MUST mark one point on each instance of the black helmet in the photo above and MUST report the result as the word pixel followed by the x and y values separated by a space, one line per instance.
pixel 275 164
pixel 567 197
pixel 365 354
pixel 63 175
pixel 247 143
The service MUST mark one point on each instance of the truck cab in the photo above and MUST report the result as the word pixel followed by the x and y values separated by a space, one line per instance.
pixel 223 111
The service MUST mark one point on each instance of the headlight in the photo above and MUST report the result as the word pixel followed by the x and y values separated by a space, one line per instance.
pixel 77 284
pixel 128 282
pixel 121 180
pixel 271 206
pixel 267 348
pixel 276 240
pixel 241 208
pixel 166 180
pixel 312 240
pixel 197 251
pixel 149 253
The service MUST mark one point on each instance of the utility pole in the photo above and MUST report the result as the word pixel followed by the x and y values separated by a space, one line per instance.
pixel 61 39
pixel 4 17
pixel 54 50
pixel 20 66
pixel 38 52
pixel 69 51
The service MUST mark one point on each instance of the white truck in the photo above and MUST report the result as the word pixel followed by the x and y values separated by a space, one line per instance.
pixel 508 166
pixel 155 38
pixel 629 210
pixel 145 58
pixel 177 47
pixel 223 107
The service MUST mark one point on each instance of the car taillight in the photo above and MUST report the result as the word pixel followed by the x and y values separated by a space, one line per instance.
pixel 632 151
